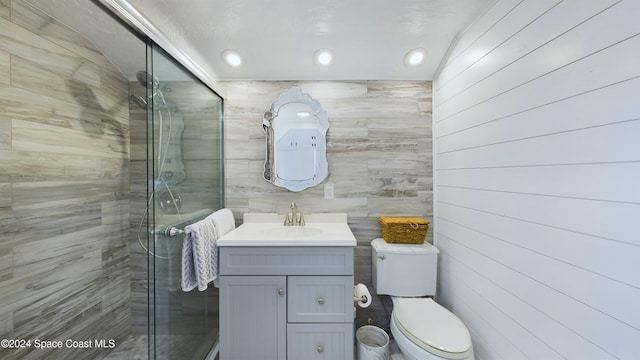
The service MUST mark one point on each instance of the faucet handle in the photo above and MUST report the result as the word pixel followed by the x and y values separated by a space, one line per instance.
pixel 301 220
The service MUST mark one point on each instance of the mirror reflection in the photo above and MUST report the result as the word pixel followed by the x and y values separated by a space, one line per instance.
pixel 295 130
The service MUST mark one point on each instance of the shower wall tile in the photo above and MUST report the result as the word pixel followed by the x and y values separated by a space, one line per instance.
pixel 6 264
pixel 31 136
pixel 64 186
pixel 45 77
pixel 5 133
pixel 66 115
pixel 378 148
pixel 24 226
pixel 5 9
pixel 87 86
pixel 50 166
pixel 5 195
pixel 28 259
pixel 51 195
pixel 21 42
pixel 5 59
pixel 6 323
pixel 39 23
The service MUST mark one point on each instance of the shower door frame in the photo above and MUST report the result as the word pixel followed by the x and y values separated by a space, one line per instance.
pixel 156 326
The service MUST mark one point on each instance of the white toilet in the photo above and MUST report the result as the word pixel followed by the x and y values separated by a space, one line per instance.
pixel 422 329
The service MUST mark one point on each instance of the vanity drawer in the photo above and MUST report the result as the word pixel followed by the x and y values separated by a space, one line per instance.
pixel 320 299
pixel 288 260
pixel 320 341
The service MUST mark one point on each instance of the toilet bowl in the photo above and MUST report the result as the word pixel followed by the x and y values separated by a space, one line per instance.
pixel 422 328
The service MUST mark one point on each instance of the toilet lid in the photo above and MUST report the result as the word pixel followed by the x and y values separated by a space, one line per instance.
pixel 432 327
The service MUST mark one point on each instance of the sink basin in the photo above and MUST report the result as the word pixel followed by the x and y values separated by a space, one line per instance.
pixel 268 230
pixel 282 231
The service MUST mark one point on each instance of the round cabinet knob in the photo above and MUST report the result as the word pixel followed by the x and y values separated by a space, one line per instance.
pixel 321 301
pixel 281 291
pixel 320 348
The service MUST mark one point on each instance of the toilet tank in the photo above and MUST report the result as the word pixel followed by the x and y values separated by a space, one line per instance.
pixel 403 269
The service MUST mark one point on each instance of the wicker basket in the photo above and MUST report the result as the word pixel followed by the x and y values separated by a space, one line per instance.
pixel 404 230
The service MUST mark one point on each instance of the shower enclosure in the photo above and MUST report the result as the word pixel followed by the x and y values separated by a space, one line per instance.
pixel 105 142
pixel 183 138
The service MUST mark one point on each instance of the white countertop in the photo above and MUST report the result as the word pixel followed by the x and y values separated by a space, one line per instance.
pixel 267 230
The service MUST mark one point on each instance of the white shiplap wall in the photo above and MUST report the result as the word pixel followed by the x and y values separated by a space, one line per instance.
pixel 537 179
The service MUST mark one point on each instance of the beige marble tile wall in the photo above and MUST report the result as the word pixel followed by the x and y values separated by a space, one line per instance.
pixel 378 148
pixel 64 187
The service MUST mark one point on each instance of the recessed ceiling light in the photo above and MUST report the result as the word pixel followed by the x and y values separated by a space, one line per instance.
pixel 414 57
pixel 232 58
pixel 324 57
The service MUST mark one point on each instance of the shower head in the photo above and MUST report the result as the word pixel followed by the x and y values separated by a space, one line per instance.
pixel 147 80
pixel 153 88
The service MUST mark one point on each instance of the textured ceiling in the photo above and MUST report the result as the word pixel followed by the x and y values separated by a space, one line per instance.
pixel 277 38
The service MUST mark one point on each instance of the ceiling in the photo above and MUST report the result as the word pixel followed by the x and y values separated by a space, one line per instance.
pixel 277 39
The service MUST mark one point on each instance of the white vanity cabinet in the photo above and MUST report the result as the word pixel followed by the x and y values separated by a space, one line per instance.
pixel 286 303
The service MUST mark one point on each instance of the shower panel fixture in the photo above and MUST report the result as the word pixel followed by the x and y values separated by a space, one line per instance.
pixel 170 166
pixel 167 127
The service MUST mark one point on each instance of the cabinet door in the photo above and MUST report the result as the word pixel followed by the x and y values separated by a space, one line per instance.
pixel 320 299
pixel 320 341
pixel 253 317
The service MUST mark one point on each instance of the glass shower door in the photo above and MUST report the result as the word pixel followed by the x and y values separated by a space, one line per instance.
pixel 185 184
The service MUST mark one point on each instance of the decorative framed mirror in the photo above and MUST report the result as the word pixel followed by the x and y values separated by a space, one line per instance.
pixel 295 129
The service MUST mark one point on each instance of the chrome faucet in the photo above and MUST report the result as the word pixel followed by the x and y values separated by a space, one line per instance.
pixel 294 218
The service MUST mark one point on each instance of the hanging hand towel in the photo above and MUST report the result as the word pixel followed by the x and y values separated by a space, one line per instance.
pixel 199 250
pixel 199 254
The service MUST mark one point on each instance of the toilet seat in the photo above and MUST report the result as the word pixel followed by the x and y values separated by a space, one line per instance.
pixel 432 327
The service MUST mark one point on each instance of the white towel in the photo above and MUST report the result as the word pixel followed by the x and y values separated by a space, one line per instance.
pixel 224 222
pixel 199 249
